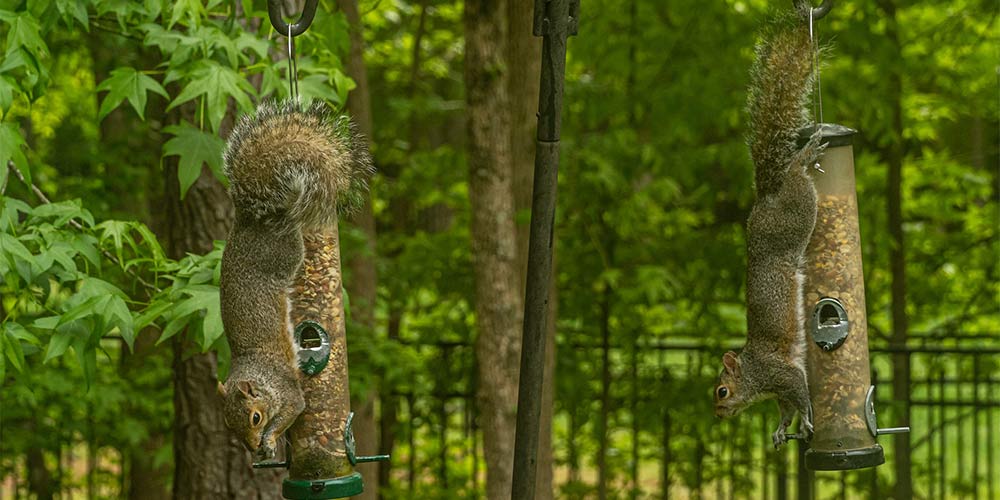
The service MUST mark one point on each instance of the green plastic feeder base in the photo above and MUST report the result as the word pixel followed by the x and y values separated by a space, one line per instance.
pixel 338 487
pixel 845 460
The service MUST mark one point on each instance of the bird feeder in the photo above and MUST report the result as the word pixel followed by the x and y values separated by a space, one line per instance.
pixel 836 328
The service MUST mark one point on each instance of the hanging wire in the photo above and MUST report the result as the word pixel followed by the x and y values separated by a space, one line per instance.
pixel 293 69
pixel 818 94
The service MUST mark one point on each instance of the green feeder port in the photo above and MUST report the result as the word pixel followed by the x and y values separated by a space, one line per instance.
pixel 314 347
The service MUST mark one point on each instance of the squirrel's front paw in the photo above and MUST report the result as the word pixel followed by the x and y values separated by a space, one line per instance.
pixel 779 438
pixel 808 427
pixel 265 452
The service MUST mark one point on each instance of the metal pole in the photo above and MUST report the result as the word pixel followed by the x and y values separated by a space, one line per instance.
pixel 555 20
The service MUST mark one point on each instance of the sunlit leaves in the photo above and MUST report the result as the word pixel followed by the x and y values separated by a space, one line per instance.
pixel 195 149
pixel 127 83
pixel 23 32
pixel 74 9
pixel 217 83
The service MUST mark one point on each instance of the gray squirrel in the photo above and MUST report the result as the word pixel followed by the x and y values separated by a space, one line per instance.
pixel 772 364
pixel 290 169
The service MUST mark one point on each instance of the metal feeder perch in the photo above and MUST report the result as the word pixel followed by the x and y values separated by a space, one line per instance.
pixel 837 330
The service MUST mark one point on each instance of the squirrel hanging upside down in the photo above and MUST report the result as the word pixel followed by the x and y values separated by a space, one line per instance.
pixel 290 169
pixel 772 364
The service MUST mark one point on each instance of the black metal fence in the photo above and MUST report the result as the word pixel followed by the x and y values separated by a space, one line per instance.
pixel 661 440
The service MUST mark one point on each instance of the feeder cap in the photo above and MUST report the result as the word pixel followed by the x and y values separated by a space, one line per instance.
pixel 832 135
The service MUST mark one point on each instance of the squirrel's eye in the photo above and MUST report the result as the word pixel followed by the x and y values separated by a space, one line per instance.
pixel 723 392
pixel 255 419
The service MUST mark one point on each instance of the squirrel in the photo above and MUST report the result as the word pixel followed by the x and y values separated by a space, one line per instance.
pixel 290 168
pixel 772 363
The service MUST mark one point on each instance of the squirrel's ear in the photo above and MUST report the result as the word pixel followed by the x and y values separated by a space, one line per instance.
pixel 246 388
pixel 221 388
pixel 731 363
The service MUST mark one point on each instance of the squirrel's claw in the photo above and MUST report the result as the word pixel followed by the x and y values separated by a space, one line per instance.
pixel 264 453
pixel 779 438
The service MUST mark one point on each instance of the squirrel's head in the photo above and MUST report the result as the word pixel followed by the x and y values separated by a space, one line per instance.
pixel 246 414
pixel 730 396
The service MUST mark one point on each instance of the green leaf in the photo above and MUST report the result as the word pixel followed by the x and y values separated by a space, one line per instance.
pixel 195 148
pixel 9 208
pixel 58 344
pixel 217 83
pixel 75 9
pixel 118 232
pixel 116 313
pixel 24 32
pixel 211 324
pixel 7 87
pixel 19 332
pixel 63 211
pixel 317 87
pixel 192 9
pixel 248 41
pixel 149 239
pixel 86 245
pixel 151 313
pixel 11 142
pixel 11 246
pixel 90 307
pixel 127 83
pixel 13 347
pixel 46 323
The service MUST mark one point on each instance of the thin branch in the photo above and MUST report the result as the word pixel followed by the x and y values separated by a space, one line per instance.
pixel 72 222
pixel 106 29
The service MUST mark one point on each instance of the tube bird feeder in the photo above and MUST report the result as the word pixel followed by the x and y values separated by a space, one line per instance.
pixel 318 463
pixel 837 330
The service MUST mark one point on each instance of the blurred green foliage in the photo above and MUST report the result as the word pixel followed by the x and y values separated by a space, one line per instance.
pixel 655 186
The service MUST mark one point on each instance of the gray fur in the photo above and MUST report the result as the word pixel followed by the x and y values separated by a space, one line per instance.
pixel 772 363
pixel 289 169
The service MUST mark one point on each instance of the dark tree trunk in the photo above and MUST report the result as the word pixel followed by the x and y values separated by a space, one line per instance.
pixel 40 483
pixel 602 420
pixel 494 250
pixel 893 156
pixel 363 286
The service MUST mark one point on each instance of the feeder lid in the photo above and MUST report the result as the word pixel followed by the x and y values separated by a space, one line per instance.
pixel 833 135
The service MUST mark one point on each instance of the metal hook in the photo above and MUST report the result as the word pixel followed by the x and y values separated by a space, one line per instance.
pixel 817 12
pixel 300 26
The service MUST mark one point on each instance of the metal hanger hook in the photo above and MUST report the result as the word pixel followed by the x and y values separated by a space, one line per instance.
pixel 817 12
pixel 300 26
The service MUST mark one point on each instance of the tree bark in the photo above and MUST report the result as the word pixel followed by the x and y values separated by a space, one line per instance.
pixel 363 287
pixel 40 483
pixel 494 250
pixel 897 261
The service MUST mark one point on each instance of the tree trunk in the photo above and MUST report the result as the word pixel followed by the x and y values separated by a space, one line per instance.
pixel 40 482
pixel 363 287
pixel 602 420
pixel 494 250
pixel 897 263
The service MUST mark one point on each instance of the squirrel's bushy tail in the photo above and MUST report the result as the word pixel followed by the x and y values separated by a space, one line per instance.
pixel 781 82
pixel 289 166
